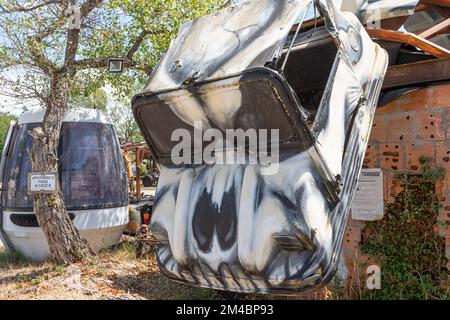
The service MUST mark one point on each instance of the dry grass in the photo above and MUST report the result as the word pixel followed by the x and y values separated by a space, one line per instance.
pixel 114 274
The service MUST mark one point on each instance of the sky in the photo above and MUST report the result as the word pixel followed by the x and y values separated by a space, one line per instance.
pixel 16 107
pixel 10 104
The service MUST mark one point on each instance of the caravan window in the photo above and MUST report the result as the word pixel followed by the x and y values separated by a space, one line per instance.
pixel 90 168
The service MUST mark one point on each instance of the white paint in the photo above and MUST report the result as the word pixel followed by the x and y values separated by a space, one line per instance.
pixel 42 182
pixel 101 228
pixel 344 98
pixel 246 226
pixel 207 40
pixel 293 200
pixel 73 115
pixel 181 219
pixel 314 212
pixel 230 101
pixel 187 108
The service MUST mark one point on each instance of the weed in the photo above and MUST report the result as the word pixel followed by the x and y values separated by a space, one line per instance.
pixel 13 258
pixel 60 269
pixel 411 254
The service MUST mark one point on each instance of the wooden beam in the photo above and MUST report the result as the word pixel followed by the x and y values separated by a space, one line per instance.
pixel 411 39
pixel 441 3
pixel 435 30
pixel 417 73
pixel 443 11
pixel 422 7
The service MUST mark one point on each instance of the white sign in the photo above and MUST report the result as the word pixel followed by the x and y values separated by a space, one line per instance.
pixel 40 182
pixel 368 204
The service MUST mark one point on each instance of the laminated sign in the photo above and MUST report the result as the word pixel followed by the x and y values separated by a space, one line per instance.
pixel 368 204
pixel 42 182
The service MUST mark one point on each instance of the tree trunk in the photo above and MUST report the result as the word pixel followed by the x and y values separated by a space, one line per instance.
pixel 66 244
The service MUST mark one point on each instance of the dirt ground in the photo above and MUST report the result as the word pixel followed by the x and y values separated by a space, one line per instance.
pixel 113 274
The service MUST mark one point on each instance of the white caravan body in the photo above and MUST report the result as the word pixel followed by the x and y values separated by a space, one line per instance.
pixel 91 176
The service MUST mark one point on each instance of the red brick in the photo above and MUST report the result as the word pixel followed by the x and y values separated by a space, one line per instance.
pixel 440 96
pixel 443 154
pixel 388 108
pixel 391 189
pixel 447 180
pixel 378 132
pixel 417 150
pixel 415 101
pixel 391 157
pixel 370 156
pixel 427 125
pixel 399 127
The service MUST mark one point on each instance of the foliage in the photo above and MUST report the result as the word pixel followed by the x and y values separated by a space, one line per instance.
pixel 161 20
pixel 23 87
pixel 5 119
pixel 93 99
pixel 87 92
pixel 123 120
pixel 123 251
pixel 14 258
pixel 60 268
pixel 137 31
pixel 69 41
pixel 410 253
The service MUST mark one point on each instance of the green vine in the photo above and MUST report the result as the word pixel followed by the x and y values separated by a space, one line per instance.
pixel 410 253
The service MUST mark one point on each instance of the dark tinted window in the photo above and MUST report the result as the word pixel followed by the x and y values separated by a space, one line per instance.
pixel 247 102
pixel 91 168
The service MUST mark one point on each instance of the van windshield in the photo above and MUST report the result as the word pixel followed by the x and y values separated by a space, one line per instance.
pixel 91 172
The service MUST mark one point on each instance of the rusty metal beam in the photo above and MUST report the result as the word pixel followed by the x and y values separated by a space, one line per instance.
pixel 411 39
pixel 417 73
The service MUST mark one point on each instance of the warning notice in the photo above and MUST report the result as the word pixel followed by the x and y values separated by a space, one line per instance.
pixel 42 183
pixel 368 204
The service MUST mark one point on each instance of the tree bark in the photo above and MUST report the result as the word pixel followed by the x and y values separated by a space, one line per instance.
pixel 66 244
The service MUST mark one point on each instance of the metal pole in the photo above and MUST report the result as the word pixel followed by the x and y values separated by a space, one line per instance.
pixel 295 37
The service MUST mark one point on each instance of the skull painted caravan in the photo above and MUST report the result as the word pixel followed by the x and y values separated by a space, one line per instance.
pixel 261 65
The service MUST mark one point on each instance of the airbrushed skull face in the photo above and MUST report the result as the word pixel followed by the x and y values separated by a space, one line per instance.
pixel 233 225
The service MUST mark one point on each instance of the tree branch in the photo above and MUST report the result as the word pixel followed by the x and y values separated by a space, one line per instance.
pixel 39 58
pixel 27 9
pixel 137 43
pixel 97 63
pixel 73 35
pixel 128 61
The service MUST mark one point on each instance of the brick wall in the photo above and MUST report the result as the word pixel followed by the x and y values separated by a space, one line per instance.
pixel 416 124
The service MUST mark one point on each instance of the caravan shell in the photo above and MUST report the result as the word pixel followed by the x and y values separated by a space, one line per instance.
pixel 91 175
